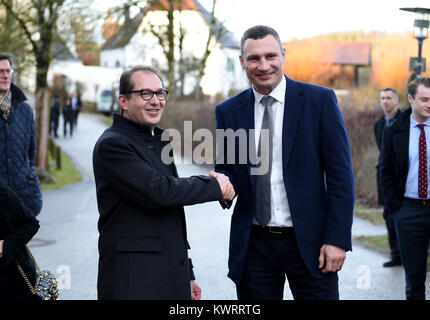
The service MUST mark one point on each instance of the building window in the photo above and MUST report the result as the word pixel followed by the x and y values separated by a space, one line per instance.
pixel 230 65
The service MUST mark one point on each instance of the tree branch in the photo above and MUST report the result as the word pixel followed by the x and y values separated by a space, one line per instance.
pixel 22 23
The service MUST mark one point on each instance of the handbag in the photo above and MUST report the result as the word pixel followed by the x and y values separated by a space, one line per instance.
pixel 46 284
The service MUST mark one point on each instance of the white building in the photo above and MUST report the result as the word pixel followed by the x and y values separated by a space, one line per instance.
pixel 134 44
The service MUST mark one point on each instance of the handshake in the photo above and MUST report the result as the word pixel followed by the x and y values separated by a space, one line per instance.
pixel 227 189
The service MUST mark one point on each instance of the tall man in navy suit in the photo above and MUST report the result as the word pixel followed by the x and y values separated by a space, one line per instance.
pixel 295 218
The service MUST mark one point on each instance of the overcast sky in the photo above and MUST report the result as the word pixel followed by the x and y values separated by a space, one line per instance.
pixel 305 18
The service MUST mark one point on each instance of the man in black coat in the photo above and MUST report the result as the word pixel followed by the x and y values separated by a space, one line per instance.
pixel 143 242
pixel 54 117
pixel 405 184
pixel 389 103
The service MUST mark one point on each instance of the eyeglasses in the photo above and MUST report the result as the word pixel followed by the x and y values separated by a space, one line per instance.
pixel 147 94
pixel 7 71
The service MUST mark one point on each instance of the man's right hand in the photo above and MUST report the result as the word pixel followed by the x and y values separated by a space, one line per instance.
pixel 1 248
pixel 228 192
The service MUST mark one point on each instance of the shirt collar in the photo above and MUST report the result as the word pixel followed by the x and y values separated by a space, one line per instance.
pixel 415 123
pixel 278 93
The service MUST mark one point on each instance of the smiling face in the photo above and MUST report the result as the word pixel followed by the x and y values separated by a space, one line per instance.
pixel 5 75
pixel 141 111
pixel 262 60
pixel 420 104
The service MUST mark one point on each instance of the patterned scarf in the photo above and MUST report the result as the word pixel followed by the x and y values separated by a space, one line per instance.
pixel 6 104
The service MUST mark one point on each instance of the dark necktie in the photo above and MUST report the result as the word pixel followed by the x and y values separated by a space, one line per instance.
pixel 422 167
pixel 263 187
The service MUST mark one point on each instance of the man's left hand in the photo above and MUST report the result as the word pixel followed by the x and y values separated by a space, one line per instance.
pixel 196 292
pixel 331 258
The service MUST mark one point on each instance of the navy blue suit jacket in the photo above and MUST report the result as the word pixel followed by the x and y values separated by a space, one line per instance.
pixel 317 172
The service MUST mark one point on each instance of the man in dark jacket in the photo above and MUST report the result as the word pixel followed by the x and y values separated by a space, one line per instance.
pixel 17 140
pixel 389 103
pixel 143 243
pixel 405 184
pixel 54 117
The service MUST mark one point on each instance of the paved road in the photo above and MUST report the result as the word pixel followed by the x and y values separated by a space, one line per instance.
pixel 67 240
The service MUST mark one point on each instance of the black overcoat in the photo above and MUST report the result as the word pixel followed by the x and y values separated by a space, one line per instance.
pixel 394 161
pixel 17 226
pixel 143 243
pixel 379 130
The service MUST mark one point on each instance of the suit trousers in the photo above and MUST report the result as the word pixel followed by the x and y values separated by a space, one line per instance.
pixel 412 223
pixel 391 233
pixel 273 257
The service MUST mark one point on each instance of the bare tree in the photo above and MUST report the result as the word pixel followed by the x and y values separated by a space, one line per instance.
pixel 216 31
pixel 38 19
pixel 13 40
pixel 169 41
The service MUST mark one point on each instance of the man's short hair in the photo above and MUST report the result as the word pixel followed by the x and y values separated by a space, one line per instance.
pixel 6 56
pixel 390 89
pixel 126 83
pixel 412 87
pixel 259 32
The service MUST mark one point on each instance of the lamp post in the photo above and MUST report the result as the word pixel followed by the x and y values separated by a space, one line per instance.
pixel 421 25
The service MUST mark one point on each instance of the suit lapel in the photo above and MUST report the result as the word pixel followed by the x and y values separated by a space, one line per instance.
pixel 293 109
pixel 245 120
pixel 401 139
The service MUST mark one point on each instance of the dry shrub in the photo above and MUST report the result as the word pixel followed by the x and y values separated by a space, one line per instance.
pixel 360 110
pixel 201 115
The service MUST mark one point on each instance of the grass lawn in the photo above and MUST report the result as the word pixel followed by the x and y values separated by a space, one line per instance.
pixel 372 214
pixel 67 175
pixel 378 242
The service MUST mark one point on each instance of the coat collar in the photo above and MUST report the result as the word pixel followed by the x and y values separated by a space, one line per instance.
pixel 400 130
pixel 124 124
pixel 402 122
pixel 17 94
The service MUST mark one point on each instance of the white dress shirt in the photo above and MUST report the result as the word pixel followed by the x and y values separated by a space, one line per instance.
pixel 280 215
pixel 411 189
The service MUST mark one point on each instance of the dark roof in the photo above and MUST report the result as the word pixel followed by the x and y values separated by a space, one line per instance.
pixel 346 53
pixel 125 33
pixel 123 36
pixel 60 51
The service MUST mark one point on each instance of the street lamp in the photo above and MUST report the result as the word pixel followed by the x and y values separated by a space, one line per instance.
pixel 421 25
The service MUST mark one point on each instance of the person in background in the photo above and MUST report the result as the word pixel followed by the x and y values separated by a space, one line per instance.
pixel 68 117
pixel 17 140
pixel 76 107
pixel 54 117
pixel 389 101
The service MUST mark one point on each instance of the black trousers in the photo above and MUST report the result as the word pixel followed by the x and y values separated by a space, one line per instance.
pixel 392 236
pixel 273 257
pixel 412 223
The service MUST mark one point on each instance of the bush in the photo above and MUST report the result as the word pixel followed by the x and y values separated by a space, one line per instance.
pixel 360 110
